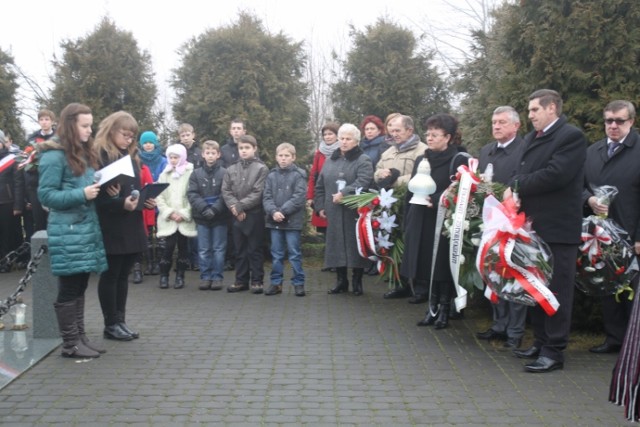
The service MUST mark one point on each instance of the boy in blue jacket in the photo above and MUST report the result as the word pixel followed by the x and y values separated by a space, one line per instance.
pixel 211 216
pixel 284 200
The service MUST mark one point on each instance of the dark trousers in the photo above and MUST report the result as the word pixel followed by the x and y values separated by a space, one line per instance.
pixel 170 243
pixel 72 287
pixel 248 237
pixel 10 230
pixel 113 287
pixel 551 333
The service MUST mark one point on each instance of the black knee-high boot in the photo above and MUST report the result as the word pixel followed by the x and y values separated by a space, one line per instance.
pixel 342 283
pixel 432 311
pixel 356 280
pixel 446 289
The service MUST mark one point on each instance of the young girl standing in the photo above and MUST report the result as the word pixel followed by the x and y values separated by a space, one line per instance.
pixel 66 187
pixel 175 223
pixel 122 225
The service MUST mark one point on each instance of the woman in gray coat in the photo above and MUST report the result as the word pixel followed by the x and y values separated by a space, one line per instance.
pixel 346 170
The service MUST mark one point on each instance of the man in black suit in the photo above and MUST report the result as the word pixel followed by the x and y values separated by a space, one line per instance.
pixel 614 161
pixel 504 154
pixel 550 180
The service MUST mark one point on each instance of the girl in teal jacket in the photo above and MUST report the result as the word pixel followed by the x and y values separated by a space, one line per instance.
pixel 67 189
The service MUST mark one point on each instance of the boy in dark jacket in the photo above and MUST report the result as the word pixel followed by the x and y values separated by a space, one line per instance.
pixel 187 136
pixel 284 200
pixel 211 215
pixel 242 191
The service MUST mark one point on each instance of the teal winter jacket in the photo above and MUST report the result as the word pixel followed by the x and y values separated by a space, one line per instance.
pixel 75 239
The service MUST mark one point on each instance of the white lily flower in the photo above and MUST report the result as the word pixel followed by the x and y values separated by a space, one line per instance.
pixel 386 198
pixel 475 241
pixel 466 226
pixel 358 191
pixel 387 223
pixel 383 241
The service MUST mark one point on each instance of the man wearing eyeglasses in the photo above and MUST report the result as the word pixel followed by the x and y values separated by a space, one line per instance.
pixel 550 180
pixel 614 161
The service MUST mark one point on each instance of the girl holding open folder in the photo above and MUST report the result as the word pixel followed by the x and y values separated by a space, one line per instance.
pixel 122 224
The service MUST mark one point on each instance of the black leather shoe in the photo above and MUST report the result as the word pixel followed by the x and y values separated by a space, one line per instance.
pixel 512 343
pixel 115 332
pixel 418 299
pixel 605 347
pixel 543 364
pixel 490 334
pixel 530 353
pixel 397 293
pixel 128 330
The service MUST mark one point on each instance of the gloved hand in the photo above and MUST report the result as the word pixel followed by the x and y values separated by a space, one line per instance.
pixel 208 214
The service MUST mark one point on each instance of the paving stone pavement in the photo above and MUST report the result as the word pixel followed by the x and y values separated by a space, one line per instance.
pixel 215 358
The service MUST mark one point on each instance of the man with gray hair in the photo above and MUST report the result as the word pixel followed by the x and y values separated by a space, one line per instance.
pixel 504 154
pixel 394 169
pixel 614 161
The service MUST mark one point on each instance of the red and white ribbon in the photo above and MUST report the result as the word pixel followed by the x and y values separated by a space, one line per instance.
pixel 503 226
pixel 7 161
pixel 591 245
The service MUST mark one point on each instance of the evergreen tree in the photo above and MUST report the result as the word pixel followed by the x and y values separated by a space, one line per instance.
pixel 588 51
pixel 106 71
pixel 386 72
pixel 244 71
pixel 8 99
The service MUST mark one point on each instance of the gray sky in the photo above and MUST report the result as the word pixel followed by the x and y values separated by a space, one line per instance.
pixel 32 30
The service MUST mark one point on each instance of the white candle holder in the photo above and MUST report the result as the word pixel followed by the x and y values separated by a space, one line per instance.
pixel 422 185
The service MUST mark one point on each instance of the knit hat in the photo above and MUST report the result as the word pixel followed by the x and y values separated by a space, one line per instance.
pixel 149 136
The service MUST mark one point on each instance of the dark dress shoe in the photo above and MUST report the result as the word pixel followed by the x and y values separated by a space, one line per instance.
pixel 530 353
pixel 490 334
pixel 397 293
pixel 512 343
pixel 605 348
pixel 299 290
pixel 418 299
pixel 115 332
pixel 543 364
pixel 128 330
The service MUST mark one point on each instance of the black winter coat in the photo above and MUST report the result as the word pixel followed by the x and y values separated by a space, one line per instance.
pixel 550 180
pixel 123 231
pixel 505 161
pixel 11 182
pixel 205 191
pixel 420 221
pixel 622 171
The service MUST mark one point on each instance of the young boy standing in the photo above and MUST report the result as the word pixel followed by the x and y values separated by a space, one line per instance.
pixel 210 214
pixel 187 137
pixel 284 200
pixel 242 192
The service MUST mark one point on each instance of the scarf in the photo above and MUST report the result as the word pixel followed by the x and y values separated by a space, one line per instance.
pixel 328 150
pixel 152 159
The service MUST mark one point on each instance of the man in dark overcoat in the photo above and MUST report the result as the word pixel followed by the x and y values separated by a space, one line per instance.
pixel 614 161
pixel 550 180
pixel 504 154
